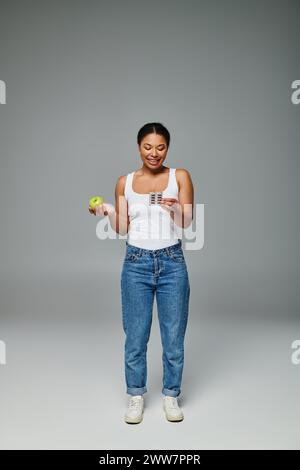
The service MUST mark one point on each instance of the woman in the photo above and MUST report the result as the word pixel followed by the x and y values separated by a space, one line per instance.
pixel 152 204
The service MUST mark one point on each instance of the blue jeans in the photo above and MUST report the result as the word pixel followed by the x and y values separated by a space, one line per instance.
pixel 145 272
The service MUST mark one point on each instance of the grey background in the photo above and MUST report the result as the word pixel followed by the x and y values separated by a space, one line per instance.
pixel 82 77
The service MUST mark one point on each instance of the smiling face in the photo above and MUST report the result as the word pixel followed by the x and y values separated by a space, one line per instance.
pixel 153 150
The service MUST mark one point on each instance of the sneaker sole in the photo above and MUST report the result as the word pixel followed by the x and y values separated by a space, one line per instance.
pixel 133 420
pixel 172 418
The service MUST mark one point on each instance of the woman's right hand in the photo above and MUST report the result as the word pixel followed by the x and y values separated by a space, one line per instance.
pixel 101 209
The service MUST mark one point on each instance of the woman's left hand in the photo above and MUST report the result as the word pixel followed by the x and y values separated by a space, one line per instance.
pixel 170 204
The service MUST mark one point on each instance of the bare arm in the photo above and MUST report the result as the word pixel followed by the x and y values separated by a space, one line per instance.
pixel 186 197
pixel 181 210
pixel 121 212
pixel 118 216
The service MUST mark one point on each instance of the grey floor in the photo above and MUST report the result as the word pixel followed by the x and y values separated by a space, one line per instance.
pixel 63 384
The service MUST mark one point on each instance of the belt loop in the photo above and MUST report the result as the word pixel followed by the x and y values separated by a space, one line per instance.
pixel 168 251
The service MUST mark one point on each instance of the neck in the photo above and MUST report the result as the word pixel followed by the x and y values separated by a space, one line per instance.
pixel 155 171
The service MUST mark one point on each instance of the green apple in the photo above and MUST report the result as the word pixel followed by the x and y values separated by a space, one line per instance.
pixel 96 201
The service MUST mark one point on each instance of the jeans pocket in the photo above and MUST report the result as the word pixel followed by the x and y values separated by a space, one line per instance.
pixel 177 256
pixel 132 256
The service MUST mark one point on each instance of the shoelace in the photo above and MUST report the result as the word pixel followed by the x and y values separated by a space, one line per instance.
pixel 134 402
pixel 172 402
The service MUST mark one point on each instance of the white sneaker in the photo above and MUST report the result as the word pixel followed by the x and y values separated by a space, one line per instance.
pixel 171 408
pixel 134 413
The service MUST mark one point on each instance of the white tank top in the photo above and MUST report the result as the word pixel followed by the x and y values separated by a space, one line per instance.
pixel 151 226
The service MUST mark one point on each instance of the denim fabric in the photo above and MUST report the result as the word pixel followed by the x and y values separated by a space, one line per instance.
pixel 147 272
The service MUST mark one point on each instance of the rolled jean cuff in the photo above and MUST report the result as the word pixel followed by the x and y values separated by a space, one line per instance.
pixel 136 390
pixel 170 393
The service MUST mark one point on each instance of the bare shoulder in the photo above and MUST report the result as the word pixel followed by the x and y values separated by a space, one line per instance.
pixel 120 185
pixel 183 172
pixel 183 177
